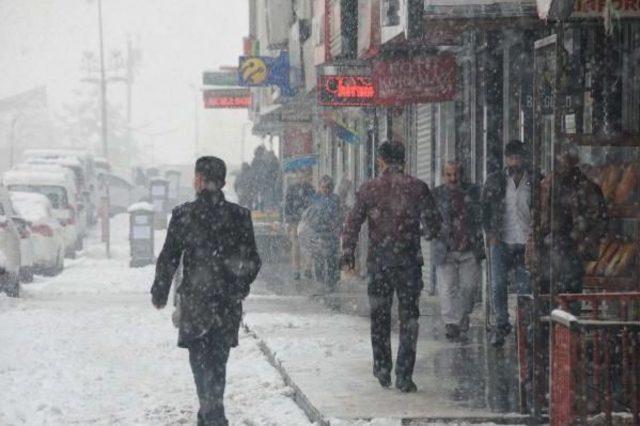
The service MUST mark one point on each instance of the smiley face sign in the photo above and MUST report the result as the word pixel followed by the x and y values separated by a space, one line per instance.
pixel 253 71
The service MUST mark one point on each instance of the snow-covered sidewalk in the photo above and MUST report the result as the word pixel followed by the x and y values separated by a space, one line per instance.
pixel 87 347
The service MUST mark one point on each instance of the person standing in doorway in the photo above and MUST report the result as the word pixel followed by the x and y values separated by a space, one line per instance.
pixel 398 209
pixel 215 240
pixel 506 206
pixel 297 198
pixel 459 249
pixel 319 233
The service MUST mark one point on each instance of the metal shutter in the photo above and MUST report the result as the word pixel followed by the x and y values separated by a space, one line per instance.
pixel 424 172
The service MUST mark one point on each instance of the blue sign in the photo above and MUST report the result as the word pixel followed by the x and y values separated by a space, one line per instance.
pixel 297 163
pixel 261 71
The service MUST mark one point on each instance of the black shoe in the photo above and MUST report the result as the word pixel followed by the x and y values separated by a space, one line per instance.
pixel 296 276
pixel 452 331
pixel 406 385
pixel 383 378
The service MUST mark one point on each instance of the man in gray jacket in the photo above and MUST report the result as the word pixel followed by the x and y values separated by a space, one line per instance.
pixel 458 249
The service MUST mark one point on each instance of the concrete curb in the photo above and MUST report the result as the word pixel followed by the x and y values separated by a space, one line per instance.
pixel 299 397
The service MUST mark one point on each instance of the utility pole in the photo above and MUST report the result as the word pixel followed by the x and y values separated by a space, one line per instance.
pixel 103 86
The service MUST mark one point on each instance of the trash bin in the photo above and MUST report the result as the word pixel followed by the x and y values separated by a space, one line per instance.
pixel 158 193
pixel 141 234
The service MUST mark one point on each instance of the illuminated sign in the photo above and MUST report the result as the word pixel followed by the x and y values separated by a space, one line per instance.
pixel 337 90
pixel 227 98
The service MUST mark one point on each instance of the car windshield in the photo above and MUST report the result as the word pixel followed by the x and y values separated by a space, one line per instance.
pixel 56 194
pixel 31 210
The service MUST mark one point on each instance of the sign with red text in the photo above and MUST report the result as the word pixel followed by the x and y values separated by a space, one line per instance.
pixel 341 90
pixel 227 98
pixel 415 80
pixel 598 8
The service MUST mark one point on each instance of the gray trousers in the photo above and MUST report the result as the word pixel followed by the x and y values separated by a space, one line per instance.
pixel 459 279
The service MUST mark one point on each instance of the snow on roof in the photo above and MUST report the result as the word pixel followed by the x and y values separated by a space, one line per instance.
pixel 48 167
pixel 55 153
pixel 142 205
pixel 30 206
pixel 62 161
pixel 36 177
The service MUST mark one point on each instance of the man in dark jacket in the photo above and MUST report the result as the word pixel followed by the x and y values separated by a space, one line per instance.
pixel 220 261
pixel 574 219
pixel 506 207
pixel 459 248
pixel 298 197
pixel 395 206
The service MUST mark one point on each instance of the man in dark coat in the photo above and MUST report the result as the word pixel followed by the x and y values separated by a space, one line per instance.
pixel 215 240
pixel 395 205
pixel 459 248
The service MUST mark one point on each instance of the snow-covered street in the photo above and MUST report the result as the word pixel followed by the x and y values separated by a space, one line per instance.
pixel 87 347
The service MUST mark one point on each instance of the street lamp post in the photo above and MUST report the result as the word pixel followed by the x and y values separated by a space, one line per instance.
pixel 12 141
pixel 103 85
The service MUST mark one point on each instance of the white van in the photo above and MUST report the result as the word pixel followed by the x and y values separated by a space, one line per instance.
pixel 61 192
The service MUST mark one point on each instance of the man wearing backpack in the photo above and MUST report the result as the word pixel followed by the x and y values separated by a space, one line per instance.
pixel 215 240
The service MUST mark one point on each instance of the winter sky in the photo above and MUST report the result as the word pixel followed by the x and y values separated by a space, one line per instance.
pixel 42 42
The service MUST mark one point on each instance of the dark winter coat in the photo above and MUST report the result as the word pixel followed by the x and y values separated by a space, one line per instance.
pixel 441 245
pixel 220 261
pixel 574 218
pixel 493 201
pixel 296 201
pixel 395 205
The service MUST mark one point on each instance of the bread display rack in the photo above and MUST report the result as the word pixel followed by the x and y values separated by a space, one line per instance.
pixel 614 164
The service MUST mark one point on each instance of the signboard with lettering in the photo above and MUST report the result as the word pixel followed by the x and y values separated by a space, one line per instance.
pixel 227 98
pixel 341 90
pixel 220 78
pixel 415 80
pixel 596 8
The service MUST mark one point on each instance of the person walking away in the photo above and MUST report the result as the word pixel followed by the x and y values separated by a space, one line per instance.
pixel 297 198
pixel 215 240
pixel 458 249
pixel 506 205
pixel 319 234
pixel 395 205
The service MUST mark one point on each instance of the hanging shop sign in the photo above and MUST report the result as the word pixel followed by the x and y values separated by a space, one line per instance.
pixel 262 71
pixel 601 8
pixel 415 81
pixel 220 78
pixel 346 132
pixel 226 98
pixel 341 90
pixel 297 141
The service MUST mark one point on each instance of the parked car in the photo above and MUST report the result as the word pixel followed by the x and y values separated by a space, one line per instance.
pixel 61 193
pixel 82 223
pixel 47 235
pixel 9 248
pixel 26 247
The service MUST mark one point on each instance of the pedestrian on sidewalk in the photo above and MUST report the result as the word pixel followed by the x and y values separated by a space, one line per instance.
pixel 506 207
pixel 297 198
pixel 220 261
pixel 395 205
pixel 319 234
pixel 458 249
